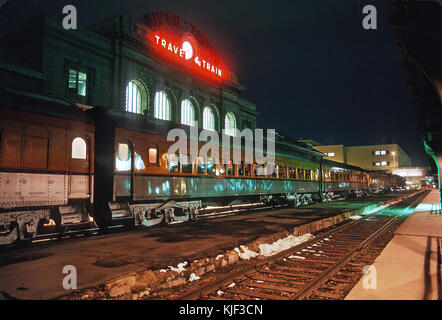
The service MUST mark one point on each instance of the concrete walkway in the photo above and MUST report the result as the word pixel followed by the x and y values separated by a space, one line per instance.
pixel 409 268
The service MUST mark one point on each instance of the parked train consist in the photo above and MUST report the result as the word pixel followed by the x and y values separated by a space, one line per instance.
pixel 84 122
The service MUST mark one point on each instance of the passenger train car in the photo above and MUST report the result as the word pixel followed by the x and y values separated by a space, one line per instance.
pixel 84 121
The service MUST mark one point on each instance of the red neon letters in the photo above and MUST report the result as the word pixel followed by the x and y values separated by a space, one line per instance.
pixel 187 52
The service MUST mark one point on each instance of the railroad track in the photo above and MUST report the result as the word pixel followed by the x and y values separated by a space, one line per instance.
pixel 325 267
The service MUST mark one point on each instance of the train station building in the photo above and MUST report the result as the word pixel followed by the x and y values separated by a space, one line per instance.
pixel 385 157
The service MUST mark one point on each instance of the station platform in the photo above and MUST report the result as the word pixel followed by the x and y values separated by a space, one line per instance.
pixel 409 267
pixel 34 271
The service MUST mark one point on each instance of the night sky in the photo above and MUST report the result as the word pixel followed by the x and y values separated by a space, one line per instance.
pixel 309 66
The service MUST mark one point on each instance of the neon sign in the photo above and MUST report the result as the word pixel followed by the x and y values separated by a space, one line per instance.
pixel 186 51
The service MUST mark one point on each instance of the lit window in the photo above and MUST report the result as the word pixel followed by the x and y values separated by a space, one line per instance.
pixel 162 106
pixel 331 154
pixel 210 165
pixel 187 113
pixel 78 148
pixel 123 158
pixel 133 98
pixel 208 119
pixel 78 82
pixel 139 163
pixel 186 164
pixel 201 167
pixel 384 163
pixel 380 152
pixel 230 124
pixel 153 155
pixel 174 162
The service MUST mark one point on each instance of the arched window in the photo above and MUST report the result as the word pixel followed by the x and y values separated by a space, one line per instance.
pixel 208 119
pixel 162 106
pixel 133 98
pixel 230 124
pixel 187 113
pixel 79 148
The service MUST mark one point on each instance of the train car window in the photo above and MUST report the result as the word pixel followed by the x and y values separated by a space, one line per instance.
pixel 173 161
pixel 301 174
pixel 230 168
pixel 273 170
pixel 162 106
pixel 79 148
pixel 210 166
pixel 280 172
pixel 186 164
pixel 123 160
pixel 187 113
pixel 200 165
pixel 208 119
pixel 247 170
pixel 260 170
pixel 222 169
pixel 139 163
pixel 240 168
pixel 153 155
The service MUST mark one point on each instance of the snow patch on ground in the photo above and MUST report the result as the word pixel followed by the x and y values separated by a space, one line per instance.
pixel 193 277
pixel 295 257
pixel 246 253
pixel 355 217
pixel 282 244
pixel 180 267
pixel 231 285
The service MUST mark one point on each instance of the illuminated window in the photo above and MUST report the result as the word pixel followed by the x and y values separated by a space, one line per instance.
pixel 77 82
pixel 186 164
pixel 230 124
pixel 139 163
pixel 78 148
pixel 208 119
pixel 162 106
pixel 123 158
pixel 133 98
pixel 200 165
pixel 187 113
pixel 153 155
pixel 174 162
pixel 330 154
pixel 210 165
pixel 380 152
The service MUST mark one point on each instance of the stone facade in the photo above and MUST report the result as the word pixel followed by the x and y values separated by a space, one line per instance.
pixel 112 53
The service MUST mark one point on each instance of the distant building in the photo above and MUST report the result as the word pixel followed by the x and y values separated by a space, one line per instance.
pixel 372 157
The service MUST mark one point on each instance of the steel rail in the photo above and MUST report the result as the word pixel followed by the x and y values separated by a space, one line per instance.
pixel 327 274
pixel 202 291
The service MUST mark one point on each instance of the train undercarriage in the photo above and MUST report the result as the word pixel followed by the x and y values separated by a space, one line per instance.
pixel 27 224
